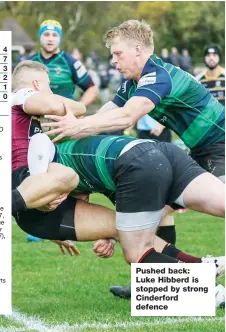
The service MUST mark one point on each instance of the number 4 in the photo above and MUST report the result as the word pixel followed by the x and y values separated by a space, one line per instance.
pixel 5 49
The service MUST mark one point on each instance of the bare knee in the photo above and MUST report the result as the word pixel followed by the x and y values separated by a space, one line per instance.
pixel 135 254
pixel 136 243
pixel 132 256
pixel 69 180
pixel 66 178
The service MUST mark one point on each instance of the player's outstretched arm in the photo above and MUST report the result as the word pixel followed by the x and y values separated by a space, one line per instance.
pixel 112 120
pixel 42 104
pixel 107 107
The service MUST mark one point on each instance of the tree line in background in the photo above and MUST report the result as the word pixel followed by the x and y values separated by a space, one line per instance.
pixel 188 24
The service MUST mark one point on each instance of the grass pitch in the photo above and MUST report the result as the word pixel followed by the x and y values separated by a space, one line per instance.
pixel 53 290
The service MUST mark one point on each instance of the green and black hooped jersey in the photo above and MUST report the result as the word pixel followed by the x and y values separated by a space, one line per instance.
pixel 181 103
pixel 93 158
pixel 65 73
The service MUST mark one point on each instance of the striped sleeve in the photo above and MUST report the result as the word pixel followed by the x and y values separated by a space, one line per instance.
pixel 154 85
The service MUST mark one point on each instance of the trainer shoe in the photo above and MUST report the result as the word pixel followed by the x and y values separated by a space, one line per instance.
pixel 123 292
pixel 219 262
pixel 220 296
pixel 31 238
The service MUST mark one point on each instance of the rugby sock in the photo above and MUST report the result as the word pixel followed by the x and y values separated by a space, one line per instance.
pixel 172 251
pixel 18 203
pixel 151 256
pixel 167 233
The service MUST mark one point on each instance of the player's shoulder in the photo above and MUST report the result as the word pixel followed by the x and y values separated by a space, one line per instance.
pixel 20 96
pixel 153 72
pixel 34 56
pixel 70 59
pixel 155 65
pixel 155 62
pixel 76 64
pixel 151 64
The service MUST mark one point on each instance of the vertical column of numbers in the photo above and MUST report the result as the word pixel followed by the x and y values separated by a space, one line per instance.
pixel 5 173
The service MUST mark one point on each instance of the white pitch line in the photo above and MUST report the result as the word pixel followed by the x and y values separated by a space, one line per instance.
pixel 13 329
pixel 101 326
pixel 31 322
pixel 35 323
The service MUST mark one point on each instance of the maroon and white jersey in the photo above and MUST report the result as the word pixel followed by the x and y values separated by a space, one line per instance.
pixel 23 127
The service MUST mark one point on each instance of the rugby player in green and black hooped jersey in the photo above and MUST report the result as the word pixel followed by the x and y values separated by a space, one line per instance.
pixel 144 176
pixel 170 95
pixel 167 93
pixel 93 158
pixel 65 72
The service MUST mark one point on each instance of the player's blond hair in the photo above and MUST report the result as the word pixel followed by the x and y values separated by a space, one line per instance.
pixel 139 31
pixel 22 73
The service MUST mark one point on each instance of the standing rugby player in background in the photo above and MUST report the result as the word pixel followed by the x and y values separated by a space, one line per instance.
pixel 65 72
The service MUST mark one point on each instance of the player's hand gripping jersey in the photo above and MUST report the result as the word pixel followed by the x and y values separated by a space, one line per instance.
pixel 181 103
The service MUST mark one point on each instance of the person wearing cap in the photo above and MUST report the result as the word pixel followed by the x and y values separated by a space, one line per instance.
pixel 213 77
pixel 65 72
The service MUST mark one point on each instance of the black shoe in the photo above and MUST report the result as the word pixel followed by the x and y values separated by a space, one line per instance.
pixel 123 292
pixel 222 305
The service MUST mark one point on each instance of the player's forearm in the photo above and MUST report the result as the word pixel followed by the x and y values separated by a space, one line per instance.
pixel 117 119
pixel 46 104
pixel 90 96
pixel 78 108
pixel 107 107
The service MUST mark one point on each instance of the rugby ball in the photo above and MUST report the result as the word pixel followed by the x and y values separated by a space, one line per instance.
pixel 42 119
